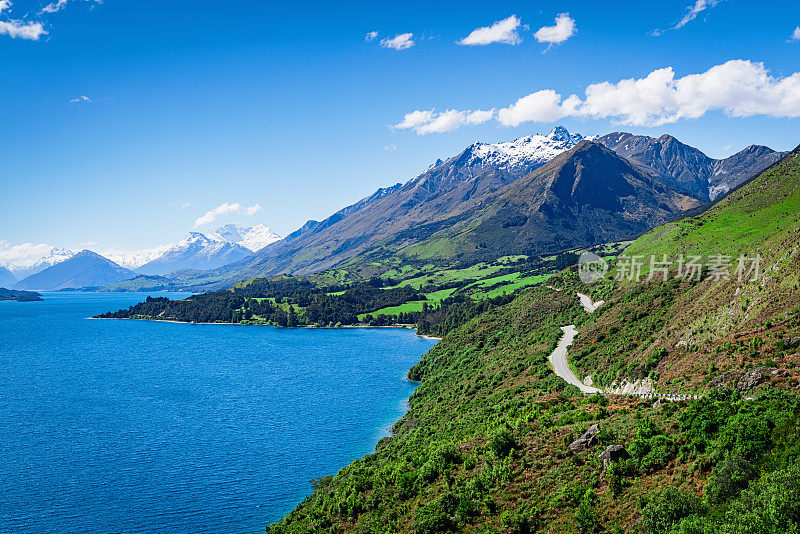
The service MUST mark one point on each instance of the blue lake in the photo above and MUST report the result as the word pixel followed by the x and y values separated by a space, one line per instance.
pixel 133 426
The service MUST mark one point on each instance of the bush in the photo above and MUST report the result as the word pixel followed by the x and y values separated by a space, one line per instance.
pixel 585 516
pixel 729 478
pixel 502 442
pixel 435 516
pixel 668 508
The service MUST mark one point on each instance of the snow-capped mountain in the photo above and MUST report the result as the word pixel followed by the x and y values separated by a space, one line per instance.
pixel 196 251
pixel 250 237
pixel 524 153
pixel 39 258
pixel 134 260
pixel 81 270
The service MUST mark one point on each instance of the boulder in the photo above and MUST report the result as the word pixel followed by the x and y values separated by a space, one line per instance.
pixel 613 453
pixel 753 377
pixel 588 439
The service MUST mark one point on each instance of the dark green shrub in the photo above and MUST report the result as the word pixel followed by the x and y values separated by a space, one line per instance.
pixel 730 477
pixel 667 508
pixel 502 442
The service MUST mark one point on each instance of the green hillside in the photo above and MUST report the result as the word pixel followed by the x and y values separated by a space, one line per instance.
pixel 684 333
pixel 488 442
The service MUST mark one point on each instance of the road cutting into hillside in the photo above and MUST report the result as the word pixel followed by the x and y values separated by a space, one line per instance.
pixel 559 361
pixel 558 358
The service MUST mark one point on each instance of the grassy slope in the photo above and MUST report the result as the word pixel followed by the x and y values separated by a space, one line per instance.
pixel 687 333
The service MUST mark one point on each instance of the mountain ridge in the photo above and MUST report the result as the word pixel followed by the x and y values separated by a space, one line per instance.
pixel 84 269
pixel 685 167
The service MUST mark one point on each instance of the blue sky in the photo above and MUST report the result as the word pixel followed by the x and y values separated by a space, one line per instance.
pixel 189 105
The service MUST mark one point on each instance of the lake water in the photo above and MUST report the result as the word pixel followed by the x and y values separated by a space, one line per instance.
pixel 133 426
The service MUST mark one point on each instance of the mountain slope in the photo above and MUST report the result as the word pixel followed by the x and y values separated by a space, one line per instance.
pixel 84 269
pixel 53 256
pixel 489 441
pixel 7 279
pixel 585 196
pixel 253 238
pixel 714 327
pixel 687 168
pixel 438 200
pixel 197 251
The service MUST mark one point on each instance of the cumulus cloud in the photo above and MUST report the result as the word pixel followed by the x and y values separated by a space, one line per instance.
pixel 371 36
pixel 83 99
pixel 563 30
pixel 795 36
pixel 390 148
pixel 738 88
pixel 425 122
pixel 4 4
pixel 226 209
pixel 24 255
pixel 17 29
pixel 502 31
pixel 541 106
pixel 399 42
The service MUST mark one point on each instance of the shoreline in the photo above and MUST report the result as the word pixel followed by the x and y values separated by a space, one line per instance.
pixel 310 327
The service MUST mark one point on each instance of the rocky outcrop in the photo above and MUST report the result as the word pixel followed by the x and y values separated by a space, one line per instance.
pixel 612 454
pixel 639 387
pixel 587 440
pixel 757 375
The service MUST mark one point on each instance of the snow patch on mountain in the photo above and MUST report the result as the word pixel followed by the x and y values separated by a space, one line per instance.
pixel 525 152
pixel 27 258
pixel 250 237
pixel 135 259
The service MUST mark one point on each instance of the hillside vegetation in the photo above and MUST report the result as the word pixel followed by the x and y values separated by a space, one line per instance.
pixel 490 442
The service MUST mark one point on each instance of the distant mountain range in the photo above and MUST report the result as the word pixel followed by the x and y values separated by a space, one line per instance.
pixel 687 168
pixel 539 194
pixel 197 251
pixel 225 245
pixel 84 269
pixel 474 204
pixel 27 268
pixel 253 238
pixel 7 278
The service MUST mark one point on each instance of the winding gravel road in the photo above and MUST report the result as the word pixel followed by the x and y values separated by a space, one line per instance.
pixel 558 358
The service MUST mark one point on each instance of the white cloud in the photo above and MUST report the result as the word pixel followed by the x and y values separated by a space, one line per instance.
pixel 4 4
pixel 371 36
pixel 738 88
pixel 425 122
pixel 19 30
pixel 502 31
pixel 414 119
pixel 24 255
pixel 563 30
pixel 541 106
pixel 390 148
pixel 226 209
pixel 795 36
pixel 83 99
pixel 55 6
pixel 694 10
pixel 252 210
pixel 399 42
